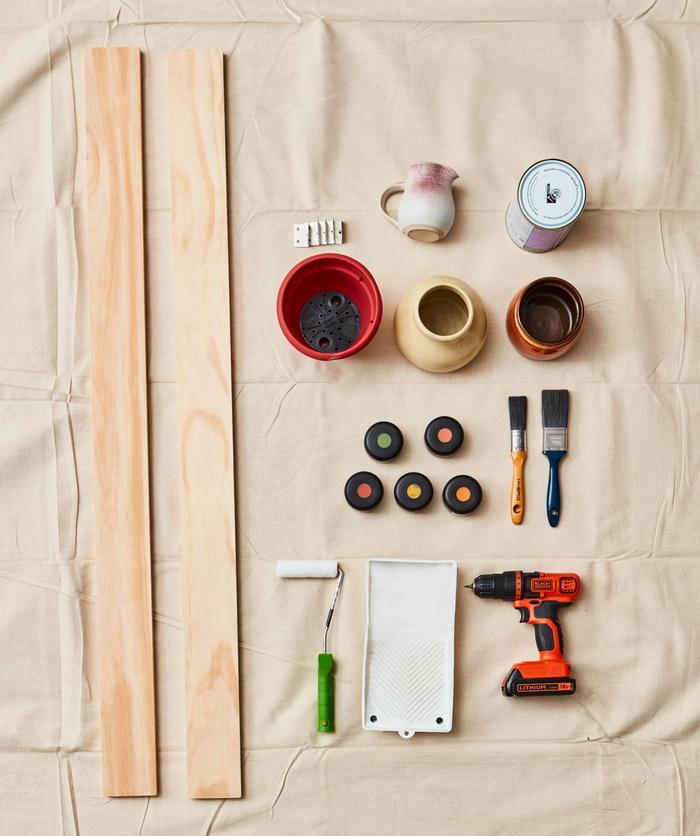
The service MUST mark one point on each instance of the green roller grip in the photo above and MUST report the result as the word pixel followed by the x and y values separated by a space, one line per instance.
pixel 324 721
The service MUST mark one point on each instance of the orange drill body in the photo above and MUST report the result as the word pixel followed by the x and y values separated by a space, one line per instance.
pixel 537 596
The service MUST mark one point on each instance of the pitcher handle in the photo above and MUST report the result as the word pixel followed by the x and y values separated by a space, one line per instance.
pixel 386 194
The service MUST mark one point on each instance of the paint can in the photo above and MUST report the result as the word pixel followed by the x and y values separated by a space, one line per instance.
pixel 551 196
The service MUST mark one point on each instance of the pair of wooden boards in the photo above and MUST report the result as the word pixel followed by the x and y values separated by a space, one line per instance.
pixel 120 420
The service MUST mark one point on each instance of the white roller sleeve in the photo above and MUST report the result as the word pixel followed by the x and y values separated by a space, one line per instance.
pixel 307 569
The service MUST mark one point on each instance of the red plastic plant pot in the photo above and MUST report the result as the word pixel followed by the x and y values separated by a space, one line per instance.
pixel 329 273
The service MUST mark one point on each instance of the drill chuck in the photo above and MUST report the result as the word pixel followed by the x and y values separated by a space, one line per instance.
pixel 502 585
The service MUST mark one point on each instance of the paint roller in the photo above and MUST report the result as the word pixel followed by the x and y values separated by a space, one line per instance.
pixel 319 569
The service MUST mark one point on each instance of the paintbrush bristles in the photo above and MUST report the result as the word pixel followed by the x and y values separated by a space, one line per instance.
pixel 555 407
pixel 517 406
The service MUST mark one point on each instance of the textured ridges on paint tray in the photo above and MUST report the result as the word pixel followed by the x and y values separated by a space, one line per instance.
pixel 205 410
pixel 115 267
pixel 406 682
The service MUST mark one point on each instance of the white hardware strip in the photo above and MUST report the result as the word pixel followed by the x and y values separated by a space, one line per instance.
pixel 319 233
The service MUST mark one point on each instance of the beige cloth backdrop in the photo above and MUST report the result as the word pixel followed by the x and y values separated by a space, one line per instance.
pixel 328 102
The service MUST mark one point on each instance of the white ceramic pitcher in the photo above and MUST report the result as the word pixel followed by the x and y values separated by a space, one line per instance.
pixel 427 210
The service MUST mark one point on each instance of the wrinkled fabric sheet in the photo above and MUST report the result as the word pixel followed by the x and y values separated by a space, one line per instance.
pixel 328 102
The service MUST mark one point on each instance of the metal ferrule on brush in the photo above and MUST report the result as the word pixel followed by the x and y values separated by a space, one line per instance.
pixel 518 441
pixel 554 438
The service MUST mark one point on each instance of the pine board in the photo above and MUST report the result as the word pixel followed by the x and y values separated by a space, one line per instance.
pixel 120 422
pixel 203 340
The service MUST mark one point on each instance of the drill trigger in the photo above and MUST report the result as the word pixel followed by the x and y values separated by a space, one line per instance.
pixel 524 614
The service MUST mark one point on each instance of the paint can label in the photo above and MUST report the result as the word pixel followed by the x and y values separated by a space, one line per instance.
pixel 551 196
pixel 529 237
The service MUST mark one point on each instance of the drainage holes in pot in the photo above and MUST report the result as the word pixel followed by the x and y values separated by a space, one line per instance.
pixel 439 720
pixel 330 322
pixel 373 718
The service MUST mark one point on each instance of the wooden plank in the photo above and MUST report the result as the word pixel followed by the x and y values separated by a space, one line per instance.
pixel 203 339
pixel 120 423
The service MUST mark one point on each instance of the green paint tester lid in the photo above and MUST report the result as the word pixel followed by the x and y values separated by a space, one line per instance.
pixel 383 441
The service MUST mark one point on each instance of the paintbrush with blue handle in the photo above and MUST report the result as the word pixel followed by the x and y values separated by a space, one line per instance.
pixel 555 420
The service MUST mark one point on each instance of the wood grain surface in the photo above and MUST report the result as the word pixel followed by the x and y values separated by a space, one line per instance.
pixel 120 423
pixel 203 338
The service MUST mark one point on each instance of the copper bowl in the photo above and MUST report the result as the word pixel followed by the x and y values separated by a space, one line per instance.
pixel 544 318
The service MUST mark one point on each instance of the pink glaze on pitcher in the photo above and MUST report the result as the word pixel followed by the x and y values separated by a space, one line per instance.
pixel 430 177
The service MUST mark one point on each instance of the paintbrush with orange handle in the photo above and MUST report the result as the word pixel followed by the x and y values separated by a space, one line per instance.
pixel 517 407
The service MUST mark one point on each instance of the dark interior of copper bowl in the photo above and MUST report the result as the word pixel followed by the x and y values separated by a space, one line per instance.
pixel 550 313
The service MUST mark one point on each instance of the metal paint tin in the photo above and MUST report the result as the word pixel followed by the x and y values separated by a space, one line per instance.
pixel 551 196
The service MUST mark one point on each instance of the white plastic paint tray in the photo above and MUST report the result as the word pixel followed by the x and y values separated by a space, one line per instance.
pixel 408 675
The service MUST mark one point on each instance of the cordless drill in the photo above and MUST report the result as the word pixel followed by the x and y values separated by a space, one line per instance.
pixel 538 597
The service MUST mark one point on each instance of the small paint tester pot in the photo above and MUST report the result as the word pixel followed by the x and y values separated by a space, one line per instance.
pixel 363 491
pixel 383 441
pixel 329 306
pixel 413 491
pixel 444 436
pixel 462 495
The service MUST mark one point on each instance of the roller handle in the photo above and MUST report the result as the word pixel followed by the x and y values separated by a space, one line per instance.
pixel 553 492
pixel 324 717
pixel 517 491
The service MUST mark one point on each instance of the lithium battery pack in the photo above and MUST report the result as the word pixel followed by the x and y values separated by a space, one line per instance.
pixel 408 672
